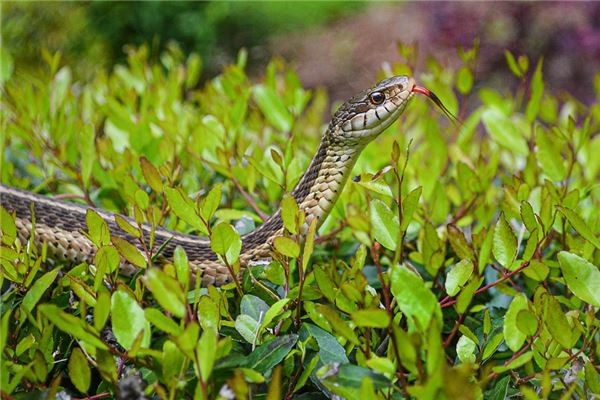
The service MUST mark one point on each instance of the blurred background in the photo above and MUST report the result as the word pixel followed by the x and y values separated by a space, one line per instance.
pixel 336 45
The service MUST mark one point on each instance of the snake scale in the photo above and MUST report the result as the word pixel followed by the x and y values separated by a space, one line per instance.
pixel 61 225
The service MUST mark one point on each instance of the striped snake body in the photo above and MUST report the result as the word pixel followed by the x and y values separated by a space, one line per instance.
pixel 358 121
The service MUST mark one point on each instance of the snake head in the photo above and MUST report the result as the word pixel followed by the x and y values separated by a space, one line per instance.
pixel 366 115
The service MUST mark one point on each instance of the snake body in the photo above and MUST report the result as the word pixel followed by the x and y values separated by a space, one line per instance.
pixel 61 225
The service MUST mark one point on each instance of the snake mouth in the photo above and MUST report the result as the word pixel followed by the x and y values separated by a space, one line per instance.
pixel 433 97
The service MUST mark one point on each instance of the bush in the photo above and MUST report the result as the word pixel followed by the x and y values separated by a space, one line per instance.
pixel 460 263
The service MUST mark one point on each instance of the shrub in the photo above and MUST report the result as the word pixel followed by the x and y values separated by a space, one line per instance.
pixel 460 262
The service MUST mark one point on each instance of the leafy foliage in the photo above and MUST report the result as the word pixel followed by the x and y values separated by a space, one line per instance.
pixel 463 262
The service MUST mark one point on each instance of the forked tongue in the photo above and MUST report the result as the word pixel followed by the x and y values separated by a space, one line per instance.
pixel 437 101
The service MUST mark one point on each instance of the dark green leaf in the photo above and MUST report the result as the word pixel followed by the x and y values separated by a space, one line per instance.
pixel 271 353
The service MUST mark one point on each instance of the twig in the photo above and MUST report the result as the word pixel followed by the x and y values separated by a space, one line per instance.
pixel 449 301
pixel 249 199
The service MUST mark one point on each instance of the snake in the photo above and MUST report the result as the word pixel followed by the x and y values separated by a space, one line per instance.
pixel 61 225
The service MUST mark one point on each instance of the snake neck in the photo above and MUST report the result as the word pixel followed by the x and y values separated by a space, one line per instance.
pixel 316 192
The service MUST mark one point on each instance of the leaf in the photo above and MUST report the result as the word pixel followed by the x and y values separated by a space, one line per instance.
pixel 87 148
pixel 465 349
pixel 286 246
pixel 503 131
pixel 253 306
pixel 272 107
pixel 248 327
pixel 289 211
pixel 271 353
pixel 505 243
pixel 373 318
pixel 151 175
pixel 127 226
pixel 274 311
pixel 580 226
pixel 208 314
pixel 128 320
pixel 162 322
pixel 166 291
pixel 516 363
pixel 500 389
pixel 129 252
pixel 464 80
pixel 556 322
pixel 97 228
pixel 211 202
pixel 409 206
pixel 582 277
pixel 71 325
pixel 385 224
pixel 549 156
pixel 183 207
pixel 7 226
pixel 528 216
pixel 182 266
pixel 514 67
pixel 338 324
pixel 458 276
pixel 102 309
pixel 226 242
pixel 330 350
pixel 415 300
pixel 79 371
pixel 459 243
pixel 37 290
pixel 537 91
pixel 206 353
pixel 353 376
pixel 512 334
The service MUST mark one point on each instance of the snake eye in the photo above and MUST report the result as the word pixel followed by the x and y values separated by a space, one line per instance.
pixel 377 98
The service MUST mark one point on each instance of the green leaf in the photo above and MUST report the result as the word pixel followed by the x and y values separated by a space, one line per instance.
pixel 128 320
pixel 330 350
pixel 516 363
pixel 459 243
pixel 385 224
pixel 464 80
pixel 172 360
pixel 527 322
pixel 102 309
pixel 7 226
pixel 271 353
pixel 127 226
pixel 338 324
pixel 273 108
pixel 151 175
pixel 79 371
pixel 248 327
pixel 167 291
pixel 409 206
pixel 465 349
pixel 513 336
pixel 582 277
pixel 182 266
pixel 162 322
pixel 580 226
pixel 505 243
pixel 129 252
pixel 71 325
pixel 37 290
pixel 528 216
pixel 286 246
pixel 549 156
pixel 458 276
pixel 274 311
pixel 225 241
pixel 373 318
pixel 206 353
pixel 211 202
pixel 253 306
pixel 503 131
pixel 289 212
pixel 208 314
pixel 184 208
pixel 353 376
pixel 537 91
pixel 97 228
pixel 415 300
pixel 556 322
pixel 87 148
pixel 514 67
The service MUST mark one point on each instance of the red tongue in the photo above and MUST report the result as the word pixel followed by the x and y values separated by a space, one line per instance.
pixel 422 90
pixel 437 101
